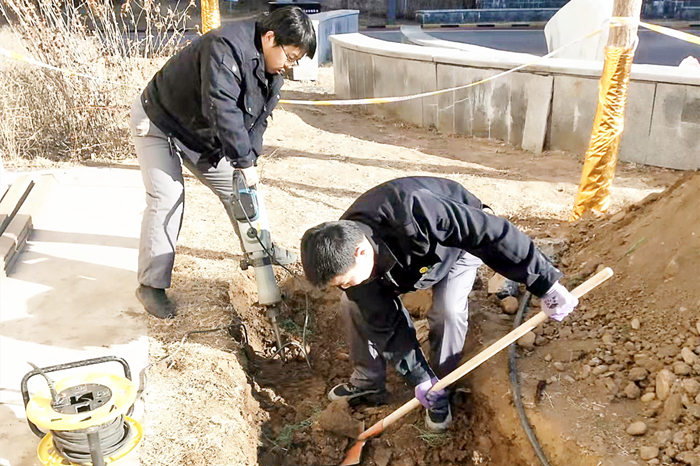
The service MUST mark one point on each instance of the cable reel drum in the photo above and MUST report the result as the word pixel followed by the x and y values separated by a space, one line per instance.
pixel 83 419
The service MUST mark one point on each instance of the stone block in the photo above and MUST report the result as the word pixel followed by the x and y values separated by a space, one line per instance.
pixel 399 77
pixel 514 108
pixel 341 72
pixel 675 127
pixel 635 143
pixel 360 74
pixel 573 110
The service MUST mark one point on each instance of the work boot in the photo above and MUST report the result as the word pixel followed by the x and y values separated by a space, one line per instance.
pixel 155 301
pixel 282 256
pixel 438 419
pixel 356 395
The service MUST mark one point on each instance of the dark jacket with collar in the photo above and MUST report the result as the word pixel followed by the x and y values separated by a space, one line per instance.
pixel 214 95
pixel 419 227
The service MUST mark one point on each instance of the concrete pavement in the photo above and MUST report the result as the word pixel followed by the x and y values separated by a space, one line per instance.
pixel 71 294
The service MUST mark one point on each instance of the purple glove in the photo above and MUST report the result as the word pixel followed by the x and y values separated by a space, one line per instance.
pixel 558 302
pixel 426 397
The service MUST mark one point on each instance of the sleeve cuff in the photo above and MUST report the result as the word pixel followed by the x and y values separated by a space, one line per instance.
pixel 543 284
pixel 244 162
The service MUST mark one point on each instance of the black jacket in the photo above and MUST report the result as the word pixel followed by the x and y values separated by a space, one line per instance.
pixel 419 227
pixel 215 96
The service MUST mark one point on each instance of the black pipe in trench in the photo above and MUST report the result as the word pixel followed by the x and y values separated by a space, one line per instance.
pixel 515 386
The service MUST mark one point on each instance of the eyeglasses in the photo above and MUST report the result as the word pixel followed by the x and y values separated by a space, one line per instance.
pixel 289 60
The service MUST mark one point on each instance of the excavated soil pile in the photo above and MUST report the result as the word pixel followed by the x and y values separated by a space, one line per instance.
pixel 625 368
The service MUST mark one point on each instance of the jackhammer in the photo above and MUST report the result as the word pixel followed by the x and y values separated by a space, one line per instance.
pixel 248 210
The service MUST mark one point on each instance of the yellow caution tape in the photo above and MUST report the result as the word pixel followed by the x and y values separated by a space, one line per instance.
pixel 627 21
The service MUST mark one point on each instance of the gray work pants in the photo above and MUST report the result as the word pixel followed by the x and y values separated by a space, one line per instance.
pixel 448 321
pixel 161 159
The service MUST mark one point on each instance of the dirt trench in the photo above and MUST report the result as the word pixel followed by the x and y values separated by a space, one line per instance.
pixel 280 409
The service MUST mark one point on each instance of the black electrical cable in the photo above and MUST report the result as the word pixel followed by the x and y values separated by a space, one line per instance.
pixel 52 388
pixel 515 386
pixel 73 445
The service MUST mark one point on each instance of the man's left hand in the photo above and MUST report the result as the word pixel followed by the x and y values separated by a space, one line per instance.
pixel 427 397
pixel 250 175
pixel 558 302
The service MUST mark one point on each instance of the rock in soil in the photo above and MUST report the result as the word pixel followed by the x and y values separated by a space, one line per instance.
pixel 668 351
pixel 637 428
pixel 681 368
pixel 527 341
pixel 664 382
pixel 632 391
pixel 510 305
pixel 382 455
pixel 584 372
pixel 647 397
pixel 638 373
pixel 691 387
pixel 688 356
pixel 336 418
pixel 673 408
pixel 689 457
pixel 648 453
pixel 694 411
pixel 647 362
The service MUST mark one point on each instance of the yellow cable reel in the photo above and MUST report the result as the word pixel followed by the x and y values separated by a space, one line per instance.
pixel 86 416
pixel 49 456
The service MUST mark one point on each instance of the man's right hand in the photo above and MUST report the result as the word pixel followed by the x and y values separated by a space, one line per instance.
pixel 250 175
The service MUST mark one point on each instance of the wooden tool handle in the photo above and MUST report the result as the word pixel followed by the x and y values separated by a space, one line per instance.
pixel 514 335
pixel 486 354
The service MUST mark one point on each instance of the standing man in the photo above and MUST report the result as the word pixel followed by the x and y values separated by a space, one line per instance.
pixel 410 234
pixel 207 108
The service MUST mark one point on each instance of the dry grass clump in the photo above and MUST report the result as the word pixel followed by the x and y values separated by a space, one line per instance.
pixel 203 411
pixel 59 116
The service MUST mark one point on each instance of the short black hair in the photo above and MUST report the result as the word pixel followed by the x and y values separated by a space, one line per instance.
pixel 328 250
pixel 292 27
